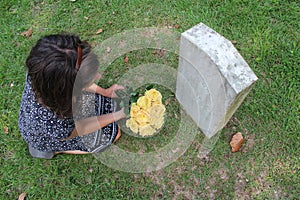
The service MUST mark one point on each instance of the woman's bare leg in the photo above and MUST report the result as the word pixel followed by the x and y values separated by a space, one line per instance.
pixel 85 152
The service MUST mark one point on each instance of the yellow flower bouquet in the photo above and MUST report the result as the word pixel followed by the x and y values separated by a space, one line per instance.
pixel 147 114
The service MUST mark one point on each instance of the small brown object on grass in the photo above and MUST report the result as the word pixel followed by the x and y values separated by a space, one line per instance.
pixel 27 33
pixel 126 59
pixel 236 142
pixel 108 49
pixel 99 31
pixel 22 196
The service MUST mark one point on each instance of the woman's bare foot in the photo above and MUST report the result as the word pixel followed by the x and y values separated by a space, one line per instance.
pixel 118 135
pixel 72 152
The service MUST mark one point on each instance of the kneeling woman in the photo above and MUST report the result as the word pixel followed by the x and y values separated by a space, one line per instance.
pixel 61 70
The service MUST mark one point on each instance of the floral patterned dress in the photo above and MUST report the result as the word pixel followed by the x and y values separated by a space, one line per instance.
pixel 45 131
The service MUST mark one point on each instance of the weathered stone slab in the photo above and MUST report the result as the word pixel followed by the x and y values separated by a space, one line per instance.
pixel 213 78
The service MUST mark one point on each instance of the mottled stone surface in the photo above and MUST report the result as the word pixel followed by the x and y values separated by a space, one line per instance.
pixel 213 78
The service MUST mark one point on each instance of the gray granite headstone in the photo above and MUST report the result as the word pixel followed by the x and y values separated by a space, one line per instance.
pixel 213 78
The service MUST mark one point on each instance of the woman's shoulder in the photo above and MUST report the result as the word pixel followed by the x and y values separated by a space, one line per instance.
pixel 33 108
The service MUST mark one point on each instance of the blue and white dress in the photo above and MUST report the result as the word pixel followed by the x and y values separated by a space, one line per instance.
pixel 43 130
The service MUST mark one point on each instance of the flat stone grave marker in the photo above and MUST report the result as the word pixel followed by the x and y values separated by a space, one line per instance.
pixel 213 78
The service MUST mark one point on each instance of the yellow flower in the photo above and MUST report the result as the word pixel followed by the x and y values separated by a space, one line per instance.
pixel 144 102
pixel 146 130
pixel 142 117
pixel 131 123
pixel 157 110
pixel 156 102
pixel 153 95
pixel 134 109
pixel 159 123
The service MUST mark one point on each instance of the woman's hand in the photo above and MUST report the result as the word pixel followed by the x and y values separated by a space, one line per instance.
pixel 121 114
pixel 111 92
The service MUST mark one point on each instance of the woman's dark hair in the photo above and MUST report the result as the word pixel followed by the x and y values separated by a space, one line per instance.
pixel 53 65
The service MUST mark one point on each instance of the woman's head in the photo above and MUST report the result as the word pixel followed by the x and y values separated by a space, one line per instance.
pixel 53 66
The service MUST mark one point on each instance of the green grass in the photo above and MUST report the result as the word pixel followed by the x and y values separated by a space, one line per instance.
pixel 268 166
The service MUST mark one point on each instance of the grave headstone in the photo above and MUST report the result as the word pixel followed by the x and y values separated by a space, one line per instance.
pixel 213 78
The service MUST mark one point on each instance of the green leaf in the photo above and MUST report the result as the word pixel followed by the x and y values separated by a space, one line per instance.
pixel 134 99
pixel 150 86
pixel 134 94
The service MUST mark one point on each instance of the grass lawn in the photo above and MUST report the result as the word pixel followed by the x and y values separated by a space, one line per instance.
pixel 268 165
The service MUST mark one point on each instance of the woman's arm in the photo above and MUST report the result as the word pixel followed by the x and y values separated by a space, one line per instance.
pixel 92 124
pixel 94 88
pixel 109 92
